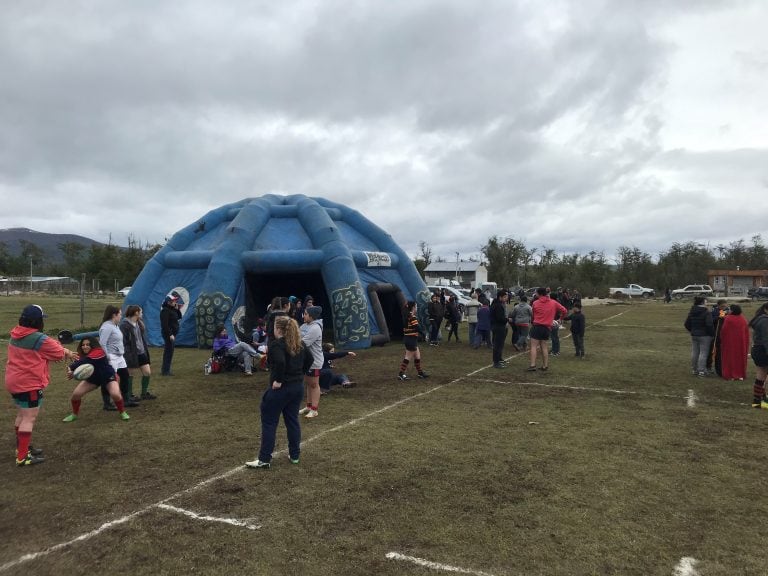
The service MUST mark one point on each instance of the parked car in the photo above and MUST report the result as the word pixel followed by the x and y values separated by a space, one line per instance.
pixel 461 299
pixel 124 291
pixel 759 293
pixel 632 290
pixel 693 290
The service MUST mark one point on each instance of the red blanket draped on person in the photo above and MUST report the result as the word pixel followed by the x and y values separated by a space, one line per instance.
pixel 734 346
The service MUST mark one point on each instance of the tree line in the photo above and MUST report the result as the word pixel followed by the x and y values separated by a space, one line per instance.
pixel 511 263
pixel 102 264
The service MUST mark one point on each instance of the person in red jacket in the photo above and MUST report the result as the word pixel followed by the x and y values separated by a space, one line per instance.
pixel 544 311
pixel 27 374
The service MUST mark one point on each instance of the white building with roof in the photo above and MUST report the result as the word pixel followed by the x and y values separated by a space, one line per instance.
pixel 468 273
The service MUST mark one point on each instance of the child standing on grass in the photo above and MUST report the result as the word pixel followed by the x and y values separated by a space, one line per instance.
pixel 578 327
pixel 91 352
pixel 411 332
pixel 483 328
pixel 27 373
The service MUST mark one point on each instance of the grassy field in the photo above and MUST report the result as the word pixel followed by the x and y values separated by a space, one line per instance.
pixel 621 463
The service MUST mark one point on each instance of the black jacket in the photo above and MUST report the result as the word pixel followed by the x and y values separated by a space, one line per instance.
pixel 699 322
pixel 285 368
pixel 169 321
pixel 498 314
pixel 131 354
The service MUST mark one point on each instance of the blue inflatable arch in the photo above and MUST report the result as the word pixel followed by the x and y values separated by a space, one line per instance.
pixel 231 263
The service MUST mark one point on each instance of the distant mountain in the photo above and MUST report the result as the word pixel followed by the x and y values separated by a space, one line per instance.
pixel 48 243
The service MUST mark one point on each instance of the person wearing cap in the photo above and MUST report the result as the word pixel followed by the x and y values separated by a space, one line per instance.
pixel 170 315
pixel 312 338
pixel 27 374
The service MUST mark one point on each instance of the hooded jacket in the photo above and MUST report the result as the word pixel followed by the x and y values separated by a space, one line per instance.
pixel 312 337
pixel 699 322
pixel 29 353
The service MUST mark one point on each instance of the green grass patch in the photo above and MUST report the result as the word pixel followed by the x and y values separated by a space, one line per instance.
pixel 597 467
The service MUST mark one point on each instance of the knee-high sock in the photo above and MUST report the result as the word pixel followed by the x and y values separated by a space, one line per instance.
pixel 76 406
pixel 404 365
pixel 144 384
pixel 24 439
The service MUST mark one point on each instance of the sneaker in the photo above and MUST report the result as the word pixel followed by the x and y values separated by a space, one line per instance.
pixel 258 464
pixel 303 410
pixel 762 404
pixel 702 374
pixel 34 451
pixel 348 384
pixel 498 365
pixel 28 460
pixel 293 460
pixel 134 398
pixel 423 375
pixel 531 369
pixel 544 368
pixel 110 407
pixel 124 416
pixel 70 418
pixel 131 404
pixel 311 414
pixel 148 396
pixel 402 376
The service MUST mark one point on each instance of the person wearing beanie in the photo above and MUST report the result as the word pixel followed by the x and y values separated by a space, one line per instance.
pixel 312 338
pixel 170 315
pixel 27 374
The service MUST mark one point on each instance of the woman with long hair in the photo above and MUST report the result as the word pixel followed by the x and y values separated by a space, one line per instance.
pixel 90 352
pixel 289 359
pixel 111 339
pixel 759 325
pixel 136 348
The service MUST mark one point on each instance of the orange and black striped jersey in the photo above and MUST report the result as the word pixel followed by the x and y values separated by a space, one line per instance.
pixel 411 327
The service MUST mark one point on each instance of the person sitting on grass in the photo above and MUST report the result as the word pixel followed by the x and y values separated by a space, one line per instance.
pixel 328 377
pixel 90 352
pixel 225 346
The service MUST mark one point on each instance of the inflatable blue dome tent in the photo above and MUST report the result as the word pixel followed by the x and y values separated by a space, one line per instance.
pixel 229 265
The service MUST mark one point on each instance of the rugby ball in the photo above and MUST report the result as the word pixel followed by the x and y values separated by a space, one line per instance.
pixel 83 372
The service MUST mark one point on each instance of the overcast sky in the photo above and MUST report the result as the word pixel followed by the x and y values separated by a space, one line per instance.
pixel 576 125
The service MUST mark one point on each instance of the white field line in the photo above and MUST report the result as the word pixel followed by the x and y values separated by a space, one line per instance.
pixel 609 391
pixel 433 565
pixel 691 399
pixel 196 516
pixel 162 503
pixel 686 567
pixel 108 525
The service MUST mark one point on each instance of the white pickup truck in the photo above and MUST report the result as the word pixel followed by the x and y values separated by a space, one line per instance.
pixel 632 290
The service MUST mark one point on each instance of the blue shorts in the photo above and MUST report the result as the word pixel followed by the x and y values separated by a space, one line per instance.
pixel 32 399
